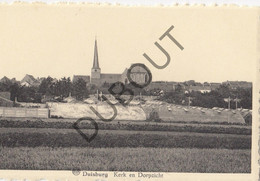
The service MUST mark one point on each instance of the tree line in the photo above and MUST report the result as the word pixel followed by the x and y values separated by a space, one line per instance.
pixel 238 97
pixel 79 89
pixel 48 87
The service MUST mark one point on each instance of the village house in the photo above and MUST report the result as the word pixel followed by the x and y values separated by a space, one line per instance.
pixel 6 80
pixel 238 84
pixel 5 99
pixel 29 81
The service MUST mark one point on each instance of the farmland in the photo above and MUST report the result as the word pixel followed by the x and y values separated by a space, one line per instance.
pixel 125 146
pixel 32 137
pixel 127 159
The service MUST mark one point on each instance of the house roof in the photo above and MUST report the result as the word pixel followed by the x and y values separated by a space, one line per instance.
pixel 245 84
pixel 242 84
pixel 5 79
pixel 13 80
pixel 206 84
pixel 198 84
pixel 29 80
pixel 199 88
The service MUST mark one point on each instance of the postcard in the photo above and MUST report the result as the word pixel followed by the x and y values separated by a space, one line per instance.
pixel 110 92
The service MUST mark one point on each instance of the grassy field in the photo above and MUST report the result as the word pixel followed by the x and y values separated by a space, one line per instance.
pixel 127 159
pixel 35 137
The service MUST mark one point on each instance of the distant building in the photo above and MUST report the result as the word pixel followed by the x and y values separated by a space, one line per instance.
pixel 4 80
pixel 238 84
pixel 189 86
pixel 30 81
pixel 202 89
pixel 5 99
pixel 162 85
pixel 7 80
pixel 214 85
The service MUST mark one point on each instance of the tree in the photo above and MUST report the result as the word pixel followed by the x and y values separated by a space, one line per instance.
pixel 46 86
pixel 207 100
pixel 63 87
pixel 14 90
pixel 28 94
pixel 80 89
pixel 190 82
pixel 246 98
pixel 5 86
pixel 224 91
pixel 177 96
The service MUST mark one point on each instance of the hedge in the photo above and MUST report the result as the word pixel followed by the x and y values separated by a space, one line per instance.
pixel 127 139
pixel 200 128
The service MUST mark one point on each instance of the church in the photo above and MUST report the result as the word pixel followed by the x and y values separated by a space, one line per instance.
pixel 138 74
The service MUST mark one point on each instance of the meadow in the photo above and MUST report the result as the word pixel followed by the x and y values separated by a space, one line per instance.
pixel 127 159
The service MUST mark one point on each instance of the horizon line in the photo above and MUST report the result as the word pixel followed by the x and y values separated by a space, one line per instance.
pixel 71 77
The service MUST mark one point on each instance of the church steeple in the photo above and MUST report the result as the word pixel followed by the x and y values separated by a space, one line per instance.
pixel 95 71
pixel 95 61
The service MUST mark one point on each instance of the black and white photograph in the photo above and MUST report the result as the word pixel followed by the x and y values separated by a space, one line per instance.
pixel 104 91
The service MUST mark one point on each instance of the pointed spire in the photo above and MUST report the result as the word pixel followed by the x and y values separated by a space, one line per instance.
pixel 95 62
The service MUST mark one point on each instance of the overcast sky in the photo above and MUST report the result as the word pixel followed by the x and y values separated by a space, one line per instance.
pixel 219 44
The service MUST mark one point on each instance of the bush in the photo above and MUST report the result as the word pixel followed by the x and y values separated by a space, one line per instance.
pixel 56 117
pixel 248 119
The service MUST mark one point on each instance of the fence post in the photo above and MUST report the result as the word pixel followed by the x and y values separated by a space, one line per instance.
pixel 49 113
pixel 37 113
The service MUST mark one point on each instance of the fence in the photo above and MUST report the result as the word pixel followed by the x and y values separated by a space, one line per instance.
pixel 18 112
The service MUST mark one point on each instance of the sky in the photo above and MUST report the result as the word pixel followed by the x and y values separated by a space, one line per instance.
pixel 58 40
pixel 152 2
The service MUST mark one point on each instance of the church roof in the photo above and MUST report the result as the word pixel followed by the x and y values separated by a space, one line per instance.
pixel 84 77
pixel 95 61
pixel 104 76
pixel 110 78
